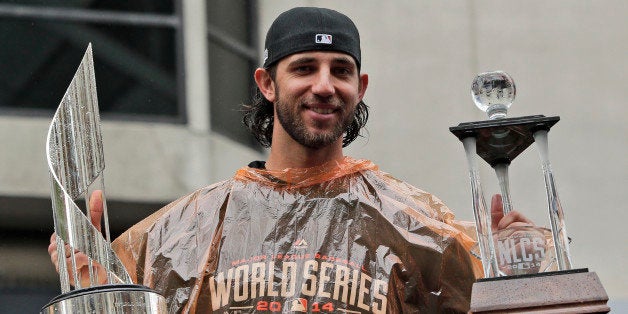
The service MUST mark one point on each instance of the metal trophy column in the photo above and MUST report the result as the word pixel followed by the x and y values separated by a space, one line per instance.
pixel 76 163
pixel 526 268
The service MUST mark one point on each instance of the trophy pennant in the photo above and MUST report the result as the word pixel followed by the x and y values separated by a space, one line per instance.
pixel 75 160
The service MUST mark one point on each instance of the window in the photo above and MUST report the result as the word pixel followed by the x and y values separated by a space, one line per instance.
pixel 135 58
pixel 232 60
pixel 138 58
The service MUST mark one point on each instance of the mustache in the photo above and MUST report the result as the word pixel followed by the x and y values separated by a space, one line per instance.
pixel 329 100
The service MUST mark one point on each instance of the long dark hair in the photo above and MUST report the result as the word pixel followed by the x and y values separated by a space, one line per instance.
pixel 258 117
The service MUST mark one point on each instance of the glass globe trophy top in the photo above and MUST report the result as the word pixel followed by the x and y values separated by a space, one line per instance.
pixel 493 92
pixel 498 141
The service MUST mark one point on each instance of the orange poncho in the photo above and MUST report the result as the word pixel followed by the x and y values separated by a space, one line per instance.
pixel 340 237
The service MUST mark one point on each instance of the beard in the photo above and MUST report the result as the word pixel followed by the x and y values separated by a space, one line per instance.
pixel 289 115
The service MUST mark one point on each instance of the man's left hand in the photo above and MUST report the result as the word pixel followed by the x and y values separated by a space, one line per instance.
pixel 500 221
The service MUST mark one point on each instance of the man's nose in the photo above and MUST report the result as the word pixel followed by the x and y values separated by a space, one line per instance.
pixel 323 85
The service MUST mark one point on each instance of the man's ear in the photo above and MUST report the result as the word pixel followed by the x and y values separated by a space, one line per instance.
pixel 265 84
pixel 364 83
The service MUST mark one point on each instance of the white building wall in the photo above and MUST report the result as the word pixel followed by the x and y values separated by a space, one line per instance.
pixel 150 162
pixel 568 58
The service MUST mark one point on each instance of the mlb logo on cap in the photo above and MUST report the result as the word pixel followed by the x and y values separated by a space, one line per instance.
pixel 323 39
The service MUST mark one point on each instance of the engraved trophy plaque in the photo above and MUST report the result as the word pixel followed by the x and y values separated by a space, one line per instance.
pixel 76 163
pixel 526 268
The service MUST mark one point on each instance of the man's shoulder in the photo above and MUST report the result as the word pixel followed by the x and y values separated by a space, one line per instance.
pixel 406 193
pixel 213 191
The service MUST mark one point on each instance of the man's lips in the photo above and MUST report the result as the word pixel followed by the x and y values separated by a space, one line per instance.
pixel 322 108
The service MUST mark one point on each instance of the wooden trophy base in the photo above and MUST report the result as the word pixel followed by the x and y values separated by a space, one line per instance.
pixel 572 291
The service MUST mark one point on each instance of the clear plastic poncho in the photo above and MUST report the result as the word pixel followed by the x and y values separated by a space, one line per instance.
pixel 340 237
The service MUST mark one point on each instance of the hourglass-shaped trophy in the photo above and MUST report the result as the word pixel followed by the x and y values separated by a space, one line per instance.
pixel 525 267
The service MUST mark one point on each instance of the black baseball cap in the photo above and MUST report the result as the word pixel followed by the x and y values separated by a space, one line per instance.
pixel 306 29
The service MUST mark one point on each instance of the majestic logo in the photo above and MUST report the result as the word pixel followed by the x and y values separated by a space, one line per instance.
pixel 323 39
pixel 300 244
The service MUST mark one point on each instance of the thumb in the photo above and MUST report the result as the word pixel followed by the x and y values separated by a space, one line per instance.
pixel 497 210
pixel 96 208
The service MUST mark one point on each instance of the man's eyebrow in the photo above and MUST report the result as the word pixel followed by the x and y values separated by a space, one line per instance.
pixel 301 61
pixel 306 60
pixel 343 60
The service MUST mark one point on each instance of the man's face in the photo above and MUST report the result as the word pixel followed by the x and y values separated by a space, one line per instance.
pixel 316 94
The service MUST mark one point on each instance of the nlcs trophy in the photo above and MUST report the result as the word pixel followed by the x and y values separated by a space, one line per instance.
pixel 526 268
pixel 76 163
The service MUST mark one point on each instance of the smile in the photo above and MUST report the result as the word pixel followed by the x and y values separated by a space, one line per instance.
pixel 322 110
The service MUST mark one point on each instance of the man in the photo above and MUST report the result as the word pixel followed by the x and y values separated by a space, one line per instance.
pixel 309 230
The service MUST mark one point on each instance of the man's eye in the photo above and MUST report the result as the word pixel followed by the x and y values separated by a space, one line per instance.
pixel 343 71
pixel 303 69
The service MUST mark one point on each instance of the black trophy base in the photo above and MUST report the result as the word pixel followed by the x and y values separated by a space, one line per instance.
pixel 131 299
pixel 499 141
pixel 572 291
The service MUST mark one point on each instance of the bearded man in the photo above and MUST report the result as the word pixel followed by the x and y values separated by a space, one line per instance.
pixel 309 229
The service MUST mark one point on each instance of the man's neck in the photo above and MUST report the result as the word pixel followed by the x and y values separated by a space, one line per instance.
pixel 290 155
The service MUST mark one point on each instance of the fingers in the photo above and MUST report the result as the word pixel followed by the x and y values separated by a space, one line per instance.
pixel 500 221
pixel 52 251
pixel 81 261
pixel 96 208
pixel 53 244
pixel 497 210
pixel 54 259
pixel 80 258
pixel 514 219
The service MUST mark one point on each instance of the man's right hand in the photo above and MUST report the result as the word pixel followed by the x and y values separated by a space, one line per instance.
pixel 81 260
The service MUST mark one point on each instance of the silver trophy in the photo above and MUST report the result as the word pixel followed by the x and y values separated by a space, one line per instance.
pixel 526 268
pixel 76 163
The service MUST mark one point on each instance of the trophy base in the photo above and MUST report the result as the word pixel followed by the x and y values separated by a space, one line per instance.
pixel 131 299
pixel 571 291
